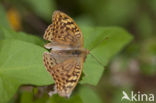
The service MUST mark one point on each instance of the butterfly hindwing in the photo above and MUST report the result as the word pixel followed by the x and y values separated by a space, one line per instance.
pixel 49 61
pixel 69 74
pixel 65 74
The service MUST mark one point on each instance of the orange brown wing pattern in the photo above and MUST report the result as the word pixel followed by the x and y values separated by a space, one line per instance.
pixel 65 74
pixel 64 30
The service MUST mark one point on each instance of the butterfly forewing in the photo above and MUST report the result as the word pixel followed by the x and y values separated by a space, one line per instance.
pixel 64 30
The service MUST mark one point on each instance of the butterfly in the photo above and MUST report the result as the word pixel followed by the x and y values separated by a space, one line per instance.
pixel 67 55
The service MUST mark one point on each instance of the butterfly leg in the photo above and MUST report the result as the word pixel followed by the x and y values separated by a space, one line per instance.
pixel 53 92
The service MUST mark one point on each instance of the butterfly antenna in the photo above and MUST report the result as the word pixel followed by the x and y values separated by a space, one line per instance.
pixel 97 60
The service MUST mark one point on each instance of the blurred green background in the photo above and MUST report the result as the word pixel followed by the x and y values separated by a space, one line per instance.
pixel 134 68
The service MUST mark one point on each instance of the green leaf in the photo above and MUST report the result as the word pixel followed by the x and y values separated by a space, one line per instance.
pixel 20 63
pixel 88 95
pixel 3 21
pixel 42 8
pixel 104 43
pixel 10 34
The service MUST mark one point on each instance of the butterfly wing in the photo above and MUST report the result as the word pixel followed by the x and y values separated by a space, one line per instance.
pixel 70 72
pixel 63 30
pixel 53 58
pixel 65 74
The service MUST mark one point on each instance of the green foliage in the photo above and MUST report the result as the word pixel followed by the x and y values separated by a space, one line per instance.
pixel 24 57
pixel 3 16
pixel 103 43
pixel 153 5
pixel 42 8
pixel 148 53
pixel 110 12
pixel 118 95
pixel 20 63
pixel 80 96
pixel 21 59
pixel 145 26
pixel 10 34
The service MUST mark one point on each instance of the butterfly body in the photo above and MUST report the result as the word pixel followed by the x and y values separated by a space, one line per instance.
pixel 68 50
pixel 67 55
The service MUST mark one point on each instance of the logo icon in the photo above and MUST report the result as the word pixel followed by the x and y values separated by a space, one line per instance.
pixel 125 96
pixel 137 96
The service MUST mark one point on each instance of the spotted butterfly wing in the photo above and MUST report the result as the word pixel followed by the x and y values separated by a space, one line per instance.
pixel 65 74
pixel 63 31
